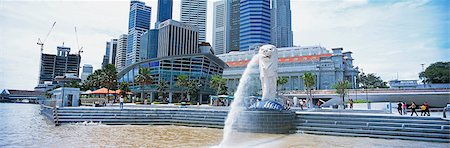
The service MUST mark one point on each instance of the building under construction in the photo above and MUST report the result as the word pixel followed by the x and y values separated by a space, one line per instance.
pixel 58 65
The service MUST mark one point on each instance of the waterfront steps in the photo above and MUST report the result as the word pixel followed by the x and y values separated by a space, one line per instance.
pixel 432 129
pixel 143 116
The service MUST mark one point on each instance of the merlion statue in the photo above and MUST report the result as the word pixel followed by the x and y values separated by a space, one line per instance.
pixel 268 68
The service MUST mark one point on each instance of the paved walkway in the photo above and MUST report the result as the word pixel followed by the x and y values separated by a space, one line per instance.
pixel 296 109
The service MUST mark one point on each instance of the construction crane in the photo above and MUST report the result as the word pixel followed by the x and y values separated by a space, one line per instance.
pixel 80 50
pixel 40 42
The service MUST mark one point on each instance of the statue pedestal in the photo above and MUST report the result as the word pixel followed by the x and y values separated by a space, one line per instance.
pixel 266 121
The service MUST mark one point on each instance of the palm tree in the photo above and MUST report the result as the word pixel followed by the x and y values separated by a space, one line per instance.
pixel 218 83
pixel 143 78
pixel 124 87
pixel 193 87
pixel 161 88
pixel 341 89
pixel 182 82
pixel 281 81
pixel 108 77
pixel 309 82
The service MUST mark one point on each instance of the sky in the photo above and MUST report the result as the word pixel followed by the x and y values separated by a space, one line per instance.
pixel 387 37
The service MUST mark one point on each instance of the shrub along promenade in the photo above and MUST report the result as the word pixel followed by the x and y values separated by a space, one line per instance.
pixel 359 124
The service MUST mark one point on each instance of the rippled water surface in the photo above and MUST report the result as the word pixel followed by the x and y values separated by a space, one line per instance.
pixel 21 125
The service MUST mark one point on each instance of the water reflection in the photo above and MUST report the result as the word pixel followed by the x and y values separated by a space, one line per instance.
pixel 21 125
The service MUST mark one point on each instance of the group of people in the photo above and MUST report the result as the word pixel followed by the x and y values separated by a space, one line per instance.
pixel 402 108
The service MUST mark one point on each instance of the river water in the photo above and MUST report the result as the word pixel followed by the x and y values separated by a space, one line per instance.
pixel 21 125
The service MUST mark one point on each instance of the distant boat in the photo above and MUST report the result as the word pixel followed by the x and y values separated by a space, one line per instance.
pixel 25 101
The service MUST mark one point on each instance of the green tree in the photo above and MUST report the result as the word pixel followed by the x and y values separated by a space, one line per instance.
pixel 219 84
pixel 193 87
pixel 93 81
pixel 124 87
pixel 73 84
pixel 280 83
pixel 182 82
pixel 370 81
pixel 341 89
pixel 438 72
pixel 309 82
pixel 143 79
pixel 161 88
pixel 108 77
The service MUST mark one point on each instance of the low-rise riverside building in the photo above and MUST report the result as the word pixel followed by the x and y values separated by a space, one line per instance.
pixel 329 67
pixel 198 66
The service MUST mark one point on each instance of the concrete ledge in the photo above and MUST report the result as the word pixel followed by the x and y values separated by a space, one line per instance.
pixel 273 122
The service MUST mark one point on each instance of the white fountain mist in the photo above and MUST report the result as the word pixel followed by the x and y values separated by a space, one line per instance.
pixel 237 105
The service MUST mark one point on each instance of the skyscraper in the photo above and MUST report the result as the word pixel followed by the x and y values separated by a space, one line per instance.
pixel 193 12
pixel 149 44
pixel 121 52
pixel 87 70
pixel 138 23
pixel 112 53
pixel 233 24
pixel 176 38
pixel 254 23
pixel 281 23
pixel 106 56
pixel 164 11
pixel 220 27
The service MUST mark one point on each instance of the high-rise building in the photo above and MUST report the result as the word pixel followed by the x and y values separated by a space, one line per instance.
pixel 164 11
pixel 281 23
pixel 121 52
pixel 254 23
pixel 149 44
pixel 110 53
pixel 106 56
pixel 113 51
pixel 233 12
pixel 176 38
pixel 220 27
pixel 138 23
pixel 193 12
pixel 87 70
pixel 59 65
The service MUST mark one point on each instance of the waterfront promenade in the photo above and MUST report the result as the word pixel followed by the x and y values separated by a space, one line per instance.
pixel 324 122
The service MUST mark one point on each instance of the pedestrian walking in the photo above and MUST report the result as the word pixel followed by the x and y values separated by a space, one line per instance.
pixel 404 108
pixel 427 109
pixel 351 103
pixel 121 102
pixel 413 108
pixel 399 108
pixel 301 104
pixel 423 108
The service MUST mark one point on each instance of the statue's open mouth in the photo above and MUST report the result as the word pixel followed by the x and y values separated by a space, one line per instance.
pixel 267 56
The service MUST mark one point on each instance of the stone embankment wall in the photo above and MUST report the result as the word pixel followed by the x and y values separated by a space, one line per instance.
pixel 433 129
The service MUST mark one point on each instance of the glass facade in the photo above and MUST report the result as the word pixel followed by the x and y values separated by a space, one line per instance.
pixel 254 23
pixel 199 67
pixel 164 11
pixel 138 23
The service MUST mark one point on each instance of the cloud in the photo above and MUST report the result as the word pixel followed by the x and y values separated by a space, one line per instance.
pixel 386 37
